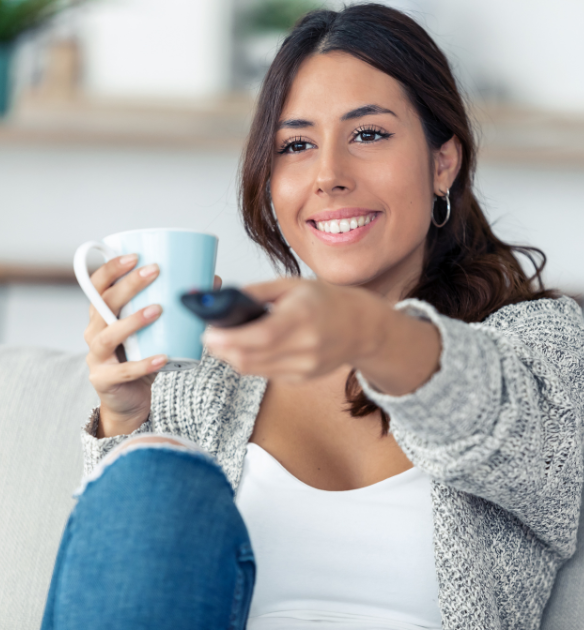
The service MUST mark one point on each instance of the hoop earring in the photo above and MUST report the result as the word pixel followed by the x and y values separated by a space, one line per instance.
pixel 439 225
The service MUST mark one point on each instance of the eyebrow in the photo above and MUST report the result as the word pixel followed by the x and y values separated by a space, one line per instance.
pixel 366 110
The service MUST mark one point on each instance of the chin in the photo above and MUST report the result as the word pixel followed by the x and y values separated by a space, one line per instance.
pixel 344 277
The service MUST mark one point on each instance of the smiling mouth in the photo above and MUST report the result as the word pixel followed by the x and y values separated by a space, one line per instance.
pixel 339 226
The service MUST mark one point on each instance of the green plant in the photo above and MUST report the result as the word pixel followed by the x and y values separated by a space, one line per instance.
pixel 277 15
pixel 18 16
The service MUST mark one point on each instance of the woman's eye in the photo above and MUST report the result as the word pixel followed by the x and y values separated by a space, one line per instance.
pixel 296 146
pixel 370 135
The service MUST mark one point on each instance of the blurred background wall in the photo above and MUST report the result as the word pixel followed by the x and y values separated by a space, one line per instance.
pixel 133 113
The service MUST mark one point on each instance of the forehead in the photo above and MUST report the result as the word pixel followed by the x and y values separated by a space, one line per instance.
pixel 331 84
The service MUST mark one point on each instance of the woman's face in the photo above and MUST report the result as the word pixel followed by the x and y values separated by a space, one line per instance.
pixel 350 145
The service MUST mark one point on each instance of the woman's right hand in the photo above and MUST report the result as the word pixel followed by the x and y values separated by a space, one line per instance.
pixel 124 389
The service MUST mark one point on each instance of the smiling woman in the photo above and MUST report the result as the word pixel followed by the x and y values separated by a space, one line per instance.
pixel 364 161
pixel 361 159
pixel 457 514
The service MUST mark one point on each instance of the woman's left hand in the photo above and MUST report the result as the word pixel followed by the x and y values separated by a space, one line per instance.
pixel 312 329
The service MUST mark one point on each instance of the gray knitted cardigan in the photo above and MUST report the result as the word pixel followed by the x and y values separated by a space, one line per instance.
pixel 499 428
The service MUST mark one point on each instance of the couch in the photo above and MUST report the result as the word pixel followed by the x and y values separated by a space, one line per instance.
pixel 45 396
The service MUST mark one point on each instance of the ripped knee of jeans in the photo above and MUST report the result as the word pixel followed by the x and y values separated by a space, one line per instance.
pixel 144 440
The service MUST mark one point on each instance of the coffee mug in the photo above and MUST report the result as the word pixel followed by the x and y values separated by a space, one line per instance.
pixel 186 259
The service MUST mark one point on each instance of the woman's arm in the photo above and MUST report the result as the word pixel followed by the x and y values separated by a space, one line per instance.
pixel 94 448
pixel 172 411
pixel 400 353
pixel 502 418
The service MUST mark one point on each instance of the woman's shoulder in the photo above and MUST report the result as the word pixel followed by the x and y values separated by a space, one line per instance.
pixel 559 313
pixel 532 321
pixel 548 329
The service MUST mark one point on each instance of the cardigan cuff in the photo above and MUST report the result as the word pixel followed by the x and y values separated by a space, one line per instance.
pixel 462 397
pixel 95 449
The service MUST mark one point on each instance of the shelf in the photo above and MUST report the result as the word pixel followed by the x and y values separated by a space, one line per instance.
pixel 527 136
pixel 220 123
pixel 35 274
pixel 505 133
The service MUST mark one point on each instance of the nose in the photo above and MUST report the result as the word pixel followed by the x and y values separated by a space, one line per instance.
pixel 333 174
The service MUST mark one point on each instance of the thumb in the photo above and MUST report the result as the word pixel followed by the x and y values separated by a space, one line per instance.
pixel 217 282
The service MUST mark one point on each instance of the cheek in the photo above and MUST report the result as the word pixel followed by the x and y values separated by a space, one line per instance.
pixel 289 188
pixel 403 186
pixel 403 177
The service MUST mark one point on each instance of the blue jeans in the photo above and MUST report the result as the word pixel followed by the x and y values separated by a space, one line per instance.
pixel 155 542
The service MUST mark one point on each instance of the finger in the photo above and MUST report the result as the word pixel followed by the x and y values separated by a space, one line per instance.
pixel 95 326
pixel 295 364
pixel 107 376
pixel 104 344
pixel 109 272
pixel 256 335
pixel 117 296
pixel 272 290
pixel 93 316
pixel 217 282
pixel 294 345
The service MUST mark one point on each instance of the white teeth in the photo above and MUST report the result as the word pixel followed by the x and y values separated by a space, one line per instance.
pixel 344 225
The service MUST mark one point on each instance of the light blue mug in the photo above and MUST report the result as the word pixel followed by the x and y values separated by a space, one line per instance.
pixel 186 259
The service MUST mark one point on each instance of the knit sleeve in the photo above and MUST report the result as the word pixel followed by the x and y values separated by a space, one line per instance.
pixel 172 411
pixel 502 418
pixel 94 448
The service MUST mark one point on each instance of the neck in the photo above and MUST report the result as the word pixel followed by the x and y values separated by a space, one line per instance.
pixel 397 281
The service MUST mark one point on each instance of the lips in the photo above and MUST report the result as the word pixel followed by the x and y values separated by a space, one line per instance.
pixel 341 213
pixel 345 238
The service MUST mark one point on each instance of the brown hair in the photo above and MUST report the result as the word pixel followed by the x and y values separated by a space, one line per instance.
pixel 468 273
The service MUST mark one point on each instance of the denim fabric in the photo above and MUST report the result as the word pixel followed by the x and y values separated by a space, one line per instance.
pixel 155 542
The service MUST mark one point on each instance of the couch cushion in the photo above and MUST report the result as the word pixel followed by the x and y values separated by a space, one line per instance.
pixel 45 396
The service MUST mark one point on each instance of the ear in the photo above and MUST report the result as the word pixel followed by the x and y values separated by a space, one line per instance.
pixel 447 163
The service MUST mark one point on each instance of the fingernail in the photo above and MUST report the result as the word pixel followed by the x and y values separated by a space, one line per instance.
pixel 130 258
pixel 159 360
pixel 152 311
pixel 149 270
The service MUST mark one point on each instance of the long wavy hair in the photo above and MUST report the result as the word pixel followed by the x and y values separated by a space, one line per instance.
pixel 468 273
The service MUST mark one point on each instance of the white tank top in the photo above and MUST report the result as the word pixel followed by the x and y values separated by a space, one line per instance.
pixel 338 560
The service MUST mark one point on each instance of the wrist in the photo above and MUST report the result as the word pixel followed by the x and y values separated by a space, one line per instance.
pixel 110 424
pixel 374 323
pixel 400 353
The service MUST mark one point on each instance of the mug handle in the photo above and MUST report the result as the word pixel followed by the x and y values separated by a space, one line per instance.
pixel 82 275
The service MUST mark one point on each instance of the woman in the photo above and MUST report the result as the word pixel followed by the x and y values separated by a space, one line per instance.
pixel 395 463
